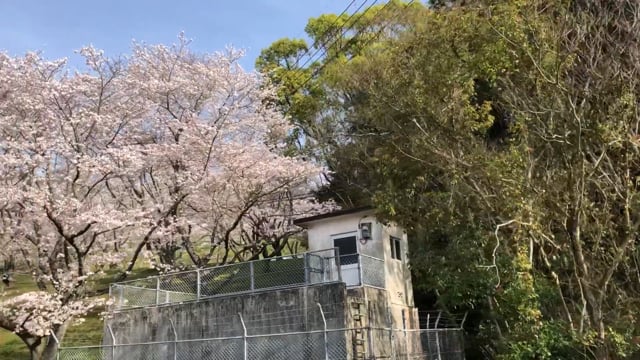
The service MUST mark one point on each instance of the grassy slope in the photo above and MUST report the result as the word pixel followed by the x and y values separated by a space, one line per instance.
pixel 88 332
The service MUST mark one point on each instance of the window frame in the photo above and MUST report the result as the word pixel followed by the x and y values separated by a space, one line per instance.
pixel 350 258
pixel 395 245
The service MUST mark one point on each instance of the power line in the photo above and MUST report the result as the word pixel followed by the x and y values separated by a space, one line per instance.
pixel 351 40
pixel 326 40
pixel 336 38
pixel 335 21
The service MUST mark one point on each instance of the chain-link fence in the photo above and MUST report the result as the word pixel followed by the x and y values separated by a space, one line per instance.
pixel 278 272
pixel 320 334
pixel 372 271
pixel 337 344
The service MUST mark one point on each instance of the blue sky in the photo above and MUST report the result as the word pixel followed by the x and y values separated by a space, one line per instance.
pixel 59 27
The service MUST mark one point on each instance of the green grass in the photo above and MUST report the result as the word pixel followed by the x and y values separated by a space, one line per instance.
pixel 101 283
pixel 267 274
pixel 11 347
pixel 87 332
pixel 21 284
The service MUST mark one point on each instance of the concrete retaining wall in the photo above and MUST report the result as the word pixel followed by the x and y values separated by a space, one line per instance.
pixel 270 312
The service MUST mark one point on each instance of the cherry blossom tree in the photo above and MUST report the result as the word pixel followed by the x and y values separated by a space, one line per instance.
pixel 214 153
pixel 163 150
pixel 62 142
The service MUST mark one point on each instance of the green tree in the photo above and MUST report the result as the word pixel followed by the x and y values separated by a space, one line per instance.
pixel 508 142
pixel 504 136
pixel 309 77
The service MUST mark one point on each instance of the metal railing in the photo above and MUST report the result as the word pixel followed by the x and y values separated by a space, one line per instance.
pixel 359 270
pixel 279 272
pixel 308 268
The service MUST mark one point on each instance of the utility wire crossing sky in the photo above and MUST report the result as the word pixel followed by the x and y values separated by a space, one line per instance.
pixel 58 28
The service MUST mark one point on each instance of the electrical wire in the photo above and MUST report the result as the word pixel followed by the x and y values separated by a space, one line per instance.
pixel 349 42
pixel 335 37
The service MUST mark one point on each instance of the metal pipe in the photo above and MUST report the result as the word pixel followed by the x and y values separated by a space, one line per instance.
pixel 109 302
pixel 244 336
pixel 157 291
pixel 55 338
pixel 360 272
pixel 326 340
pixel 305 262
pixel 121 301
pixel 252 274
pixel 175 340
pixel 464 318
pixel 113 342
pixel 198 284
pixel 336 252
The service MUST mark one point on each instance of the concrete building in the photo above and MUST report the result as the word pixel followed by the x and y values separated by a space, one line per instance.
pixel 373 255
pixel 349 297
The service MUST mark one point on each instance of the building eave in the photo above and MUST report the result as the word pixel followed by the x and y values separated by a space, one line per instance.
pixel 305 221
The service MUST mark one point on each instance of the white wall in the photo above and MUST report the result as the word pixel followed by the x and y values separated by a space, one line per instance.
pixel 322 232
pixel 398 276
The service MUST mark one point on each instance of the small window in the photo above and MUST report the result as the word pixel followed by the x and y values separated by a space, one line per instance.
pixel 396 252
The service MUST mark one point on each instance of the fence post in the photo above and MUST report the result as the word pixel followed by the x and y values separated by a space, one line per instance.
pixel 392 336
pixel 244 336
pixel 55 338
pixel 438 336
pixel 113 343
pixel 324 269
pixel 406 336
pixel 326 340
pixel 336 252
pixel 305 259
pixel 121 297
pixel 175 340
pixel 198 284
pixel 360 270
pixel 157 290
pixel 252 276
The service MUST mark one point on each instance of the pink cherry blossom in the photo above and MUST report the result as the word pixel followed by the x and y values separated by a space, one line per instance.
pixel 161 151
